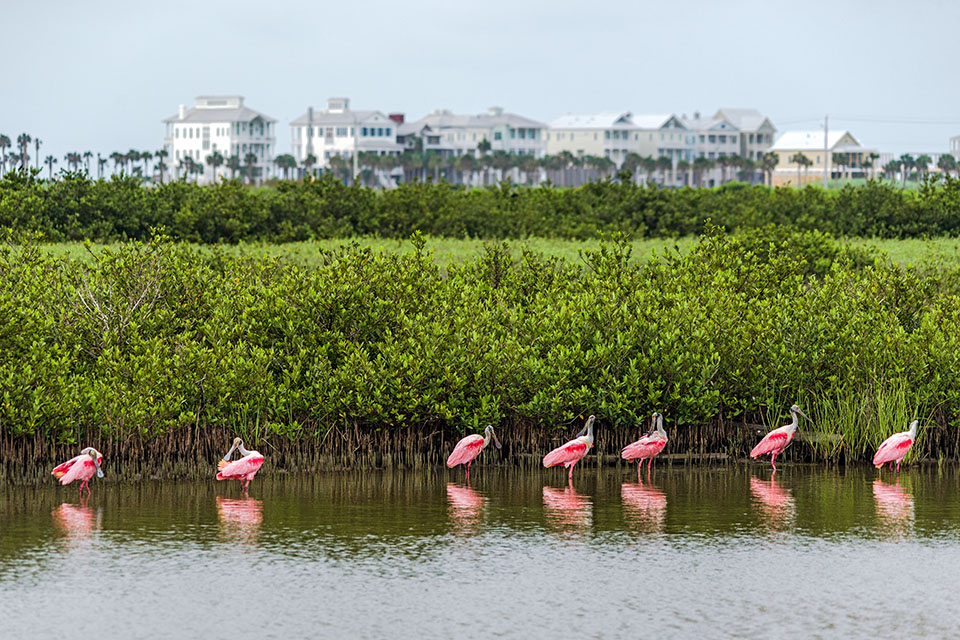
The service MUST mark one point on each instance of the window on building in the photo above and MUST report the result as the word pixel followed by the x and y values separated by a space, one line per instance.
pixel 722 139
pixel 712 139
pixel 606 135
pixel 176 132
pixel 388 131
pixel 522 133
pixel 497 135
pixel 751 138
pixel 711 155
pixel 363 132
pixel 702 140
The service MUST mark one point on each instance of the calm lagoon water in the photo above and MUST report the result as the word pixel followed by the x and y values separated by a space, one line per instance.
pixel 690 552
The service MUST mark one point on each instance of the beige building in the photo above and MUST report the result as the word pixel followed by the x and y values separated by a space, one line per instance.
pixel 810 144
pixel 610 134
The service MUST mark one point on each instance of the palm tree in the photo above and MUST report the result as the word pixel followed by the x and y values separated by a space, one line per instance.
pixel 214 160
pixel 4 145
pixel 684 166
pixel 484 146
pixel 100 163
pixel 50 161
pixel 284 162
pixel 145 156
pixel 664 164
pixel 339 165
pixel 947 163
pixel 890 169
pixel 466 165
pixel 700 166
pixel 309 162
pixel 748 169
pixel 72 159
pixel 117 158
pixel 86 160
pixel 132 157
pixel 768 163
pixel 234 164
pixel 36 149
pixel 161 164
pixel 530 167
pixel 22 141
pixel 874 156
pixel 922 163
pixel 251 169
pixel 197 169
pixel 803 162
pixel 906 164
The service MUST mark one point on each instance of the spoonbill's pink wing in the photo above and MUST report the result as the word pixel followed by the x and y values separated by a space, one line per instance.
pixel 466 450
pixel 241 468
pixel 80 470
pixel 775 441
pixel 893 448
pixel 645 447
pixel 570 452
pixel 60 470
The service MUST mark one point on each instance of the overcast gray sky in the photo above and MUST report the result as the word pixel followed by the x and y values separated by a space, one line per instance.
pixel 100 75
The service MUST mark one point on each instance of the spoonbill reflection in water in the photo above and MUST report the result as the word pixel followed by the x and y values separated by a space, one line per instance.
pixel 647 447
pixel 566 506
pixel 894 448
pixel 894 506
pixel 466 506
pixel 777 440
pixel 647 503
pixel 470 447
pixel 240 518
pixel 775 502
pixel 572 452
pixel 82 467
pixel 243 469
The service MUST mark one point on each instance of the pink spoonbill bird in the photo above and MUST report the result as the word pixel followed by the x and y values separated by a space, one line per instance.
pixel 896 447
pixel 470 447
pixel 571 453
pixel 243 469
pixel 647 447
pixel 777 440
pixel 81 467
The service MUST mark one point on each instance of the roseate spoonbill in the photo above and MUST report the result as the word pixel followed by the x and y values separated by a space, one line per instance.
pixel 648 446
pixel 896 447
pixel 470 447
pixel 81 467
pixel 243 469
pixel 777 440
pixel 570 454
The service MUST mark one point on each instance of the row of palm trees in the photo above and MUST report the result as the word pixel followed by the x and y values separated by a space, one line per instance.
pixel 919 167
pixel 563 169
pixel 132 162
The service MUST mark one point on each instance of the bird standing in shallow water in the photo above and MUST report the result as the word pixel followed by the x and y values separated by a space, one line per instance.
pixel 81 467
pixel 470 447
pixel 647 447
pixel 243 469
pixel 896 447
pixel 572 452
pixel 777 440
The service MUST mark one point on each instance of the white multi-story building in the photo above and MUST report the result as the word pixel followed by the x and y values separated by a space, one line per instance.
pixel 955 147
pixel 608 134
pixel 340 131
pixel 219 124
pixel 457 135
pixel 732 132
pixel 664 136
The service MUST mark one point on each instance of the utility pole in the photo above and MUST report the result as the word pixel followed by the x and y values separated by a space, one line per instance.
pixel 356 149
pixel 826 157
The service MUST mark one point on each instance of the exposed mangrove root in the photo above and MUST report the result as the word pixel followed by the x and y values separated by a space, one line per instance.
pixel 194 452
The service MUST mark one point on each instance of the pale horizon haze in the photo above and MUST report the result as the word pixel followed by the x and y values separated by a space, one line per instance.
pixel 100 75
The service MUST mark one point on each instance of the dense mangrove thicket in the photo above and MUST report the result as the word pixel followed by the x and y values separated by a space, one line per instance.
pixel 159 341
pixel 77 208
